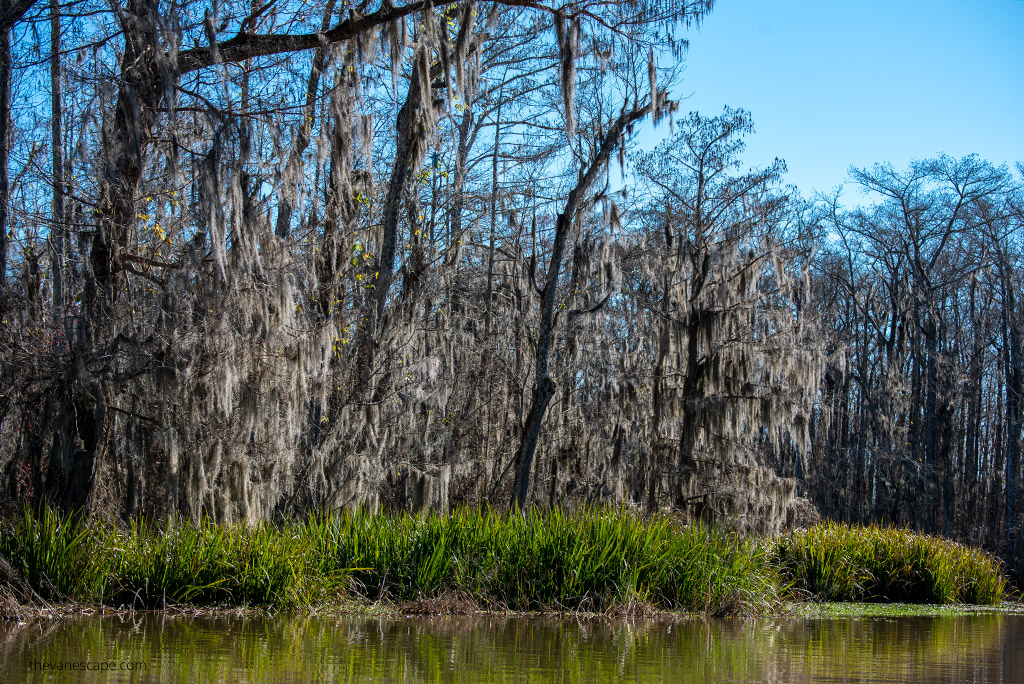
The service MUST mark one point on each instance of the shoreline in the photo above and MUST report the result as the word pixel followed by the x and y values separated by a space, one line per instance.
pixel 606 562
pixel 793 610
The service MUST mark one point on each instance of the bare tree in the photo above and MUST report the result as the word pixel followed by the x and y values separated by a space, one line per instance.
pixel 736 361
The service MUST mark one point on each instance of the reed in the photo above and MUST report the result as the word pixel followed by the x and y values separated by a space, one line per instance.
pixel 60 557
pixel 205 564
pixel 591 560
pixel 837 562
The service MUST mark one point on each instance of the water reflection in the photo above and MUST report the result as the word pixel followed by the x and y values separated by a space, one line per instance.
pixel 152 648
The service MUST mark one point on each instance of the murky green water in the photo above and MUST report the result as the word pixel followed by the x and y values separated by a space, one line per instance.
pixel 977 648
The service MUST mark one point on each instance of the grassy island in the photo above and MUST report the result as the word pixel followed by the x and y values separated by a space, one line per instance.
pixel 594 560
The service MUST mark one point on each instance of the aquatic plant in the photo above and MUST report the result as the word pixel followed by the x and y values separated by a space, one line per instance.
pixel 206 563
pixel 61 557
pixel 592 559
pixel 837 562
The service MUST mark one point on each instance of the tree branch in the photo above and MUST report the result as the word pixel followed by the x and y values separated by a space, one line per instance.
pixel 248 45
pixel 13 14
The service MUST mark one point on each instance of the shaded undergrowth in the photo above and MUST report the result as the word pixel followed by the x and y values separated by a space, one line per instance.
pixel 590 560
pixel 595 560
pixel 836 562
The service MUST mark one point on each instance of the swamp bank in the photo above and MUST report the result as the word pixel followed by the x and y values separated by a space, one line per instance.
pixel 604 561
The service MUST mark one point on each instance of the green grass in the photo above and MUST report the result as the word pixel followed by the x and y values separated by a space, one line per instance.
pixel 595 560
pixel 59 557
pixel 206 564
pixel 591 560
pixel 145 567
pixel 835 562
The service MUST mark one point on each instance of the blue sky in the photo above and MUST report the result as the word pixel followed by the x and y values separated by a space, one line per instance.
pixel 831 83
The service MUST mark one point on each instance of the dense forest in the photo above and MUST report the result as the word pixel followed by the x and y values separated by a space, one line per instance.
pixel 260 258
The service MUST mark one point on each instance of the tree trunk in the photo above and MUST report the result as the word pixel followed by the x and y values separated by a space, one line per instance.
pixel 544 388
pixel 494 217
pixel 5 142
pixel 290 181
pixel 408 137
pixel 58 227
pixel 1014 360
pixel 141 89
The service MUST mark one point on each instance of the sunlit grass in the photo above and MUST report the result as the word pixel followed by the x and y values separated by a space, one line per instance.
pixel 60 557
pixel 591 560
pixel 206 564
pixel 595 559
pixel 835 562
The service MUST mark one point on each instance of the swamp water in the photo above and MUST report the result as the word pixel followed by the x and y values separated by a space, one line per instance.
pixel 986 647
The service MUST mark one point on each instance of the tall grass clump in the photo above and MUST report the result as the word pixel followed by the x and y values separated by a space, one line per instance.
pixel 592 559
pixel 207 564
pixel 143 566
pixel 836 562
pixel 61 557
pixel 588 560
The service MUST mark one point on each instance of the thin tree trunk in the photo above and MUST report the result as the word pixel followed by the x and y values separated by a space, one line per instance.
pixel 59 220
pixel 5 141
pixel 1012 342
pixel 973 417
pixel 453 253
pixel 458 204
pixel 494 218
pixel 544 387
pixel 655 458
pixel 10 14
pixel 289 191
